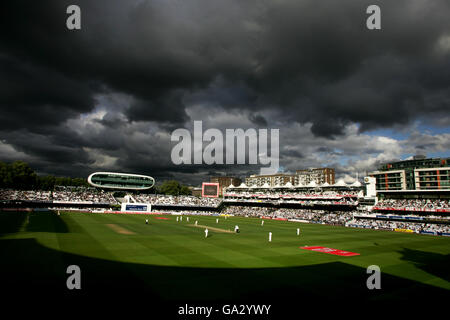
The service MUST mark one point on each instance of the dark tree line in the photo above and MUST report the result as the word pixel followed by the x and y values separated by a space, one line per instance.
pixel 168 187
pixel 19 175
pixel 174 188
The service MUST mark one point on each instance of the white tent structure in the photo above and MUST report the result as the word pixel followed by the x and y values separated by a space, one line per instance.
pixel 226 189
pixel 356 184
pixel 299 185
pixel 288 185
pixel 265 186
pixel 340 183
pixel 278 186
pixel 312 184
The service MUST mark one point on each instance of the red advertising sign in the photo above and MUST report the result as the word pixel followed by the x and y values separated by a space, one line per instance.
pixel 330 251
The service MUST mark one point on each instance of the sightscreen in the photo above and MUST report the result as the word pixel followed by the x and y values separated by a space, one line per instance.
pixel 132 207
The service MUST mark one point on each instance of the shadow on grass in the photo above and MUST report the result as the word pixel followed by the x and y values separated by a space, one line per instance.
pixel 37 274
pixel 433 263
pixel 12 222
pixel 46 222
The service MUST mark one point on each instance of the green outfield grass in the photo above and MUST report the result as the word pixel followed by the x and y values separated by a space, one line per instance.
pixel 170 260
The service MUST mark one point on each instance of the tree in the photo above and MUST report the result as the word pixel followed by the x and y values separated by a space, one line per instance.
pixel 5 175
pixel 22 176
pixel 45 182
pixel 170 187
pixel 184 190
pixel 19 175
pixel 173 187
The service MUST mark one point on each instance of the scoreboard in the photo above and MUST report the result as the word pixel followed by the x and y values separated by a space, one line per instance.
pixel 210 190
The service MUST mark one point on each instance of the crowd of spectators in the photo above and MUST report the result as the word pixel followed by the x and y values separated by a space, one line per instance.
pixel 188 201
pixel 392 225
pixel 75 195
pixel 6 194
pixel 341 201
pixel 82 209
pixel 304 198
pixel 413 204
pixel 291 193
pixel 248 211
pixel 86 195
pixel 184 212
pixel 316 216
pixel 429 217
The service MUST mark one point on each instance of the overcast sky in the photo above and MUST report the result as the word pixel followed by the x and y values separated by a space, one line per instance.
pixel 108 96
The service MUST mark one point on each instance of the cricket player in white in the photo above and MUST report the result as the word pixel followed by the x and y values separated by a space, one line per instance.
pixel 206 233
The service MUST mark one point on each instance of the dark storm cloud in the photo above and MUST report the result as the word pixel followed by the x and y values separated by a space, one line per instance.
pixel 307 62
pixel 34 96
pixel 330 70
pixel 165 108
pixel 44 147
pixel 303 57
pixel 258 120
